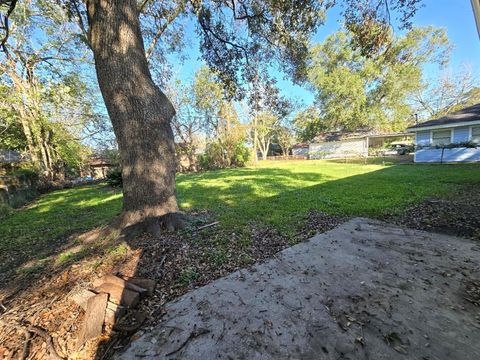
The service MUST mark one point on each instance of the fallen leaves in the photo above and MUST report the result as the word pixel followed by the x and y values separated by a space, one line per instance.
pixel 459 215
pixel 208 254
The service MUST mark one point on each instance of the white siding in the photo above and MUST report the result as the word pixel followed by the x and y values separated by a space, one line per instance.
pixel 449 155
pixel 336 149
pixel 300 151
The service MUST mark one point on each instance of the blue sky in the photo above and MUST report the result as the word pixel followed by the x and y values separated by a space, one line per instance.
pixel 456 16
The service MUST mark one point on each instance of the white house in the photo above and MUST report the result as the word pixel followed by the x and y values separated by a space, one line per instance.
pixel 451 138
pixel 338 144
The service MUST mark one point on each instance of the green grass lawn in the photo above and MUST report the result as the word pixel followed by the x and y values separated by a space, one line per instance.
pixel 274 193
pixel 280 193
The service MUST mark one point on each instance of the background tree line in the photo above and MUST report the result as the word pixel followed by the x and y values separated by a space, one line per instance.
pixel 47 109
pixel 49 113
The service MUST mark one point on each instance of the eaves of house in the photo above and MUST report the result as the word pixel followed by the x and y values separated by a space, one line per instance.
pixel 465 117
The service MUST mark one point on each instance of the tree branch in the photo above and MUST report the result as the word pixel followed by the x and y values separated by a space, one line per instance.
pixel 5 26
pixel 143 5
pixel 161 30
pixel 81 24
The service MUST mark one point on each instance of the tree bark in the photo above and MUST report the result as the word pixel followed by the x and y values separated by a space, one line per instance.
pixel 264 146
pixel 40 145
pixel 140 113
pixel 28 136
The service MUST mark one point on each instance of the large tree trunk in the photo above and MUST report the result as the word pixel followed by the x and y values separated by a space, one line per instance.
pixel 140 114
pixel 28 135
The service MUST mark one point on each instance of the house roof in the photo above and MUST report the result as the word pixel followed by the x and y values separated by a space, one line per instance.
pixel 100 161
pixel 457 118
pixel 361 134
pixel 340 135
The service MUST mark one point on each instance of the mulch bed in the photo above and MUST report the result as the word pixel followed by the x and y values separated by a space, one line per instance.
pixel 178 262
pixel 458 215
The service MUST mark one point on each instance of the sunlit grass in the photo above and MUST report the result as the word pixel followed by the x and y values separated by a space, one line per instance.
pixel 280 193
pixel 276 193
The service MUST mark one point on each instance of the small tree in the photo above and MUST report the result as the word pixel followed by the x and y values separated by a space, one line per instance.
pixel 44 102
pixel 266 127
pixel 186 124
pixel 285 138
pixel 308 124
pixel 268 107
pixel 220 121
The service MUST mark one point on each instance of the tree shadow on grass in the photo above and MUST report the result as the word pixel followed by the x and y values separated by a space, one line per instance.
pixel 372 193
pixel 44 228
pixel 177 261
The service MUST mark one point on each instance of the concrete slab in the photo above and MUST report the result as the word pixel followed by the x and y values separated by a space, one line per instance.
pixel 365 290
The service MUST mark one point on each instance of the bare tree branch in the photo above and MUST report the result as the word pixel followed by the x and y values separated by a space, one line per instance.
pixel 4 25
pixel 161 30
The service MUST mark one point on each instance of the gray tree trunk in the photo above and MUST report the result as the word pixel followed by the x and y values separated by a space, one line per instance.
pixel 140 113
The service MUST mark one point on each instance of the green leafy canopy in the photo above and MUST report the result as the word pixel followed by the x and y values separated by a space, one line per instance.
pixel 356 91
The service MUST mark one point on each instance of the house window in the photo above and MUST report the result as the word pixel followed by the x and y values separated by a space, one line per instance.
pixel 476 134
pixel 441 137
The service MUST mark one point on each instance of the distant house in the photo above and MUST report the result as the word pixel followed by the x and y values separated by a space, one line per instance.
pixel 450 138
pixel 300 149
pixel 98 167
pixel 9 159
pixel 346 147
pixel 339 144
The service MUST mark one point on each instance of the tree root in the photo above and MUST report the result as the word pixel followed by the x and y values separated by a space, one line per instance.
pixel 26 345
pixel 155 226
pixel 47 339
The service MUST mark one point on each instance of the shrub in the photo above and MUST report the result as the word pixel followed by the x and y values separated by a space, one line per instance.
pixel 28 173
pixel 241 155
pixel 464 144
pixel 213 158
pixel 221 156
pixel 114 178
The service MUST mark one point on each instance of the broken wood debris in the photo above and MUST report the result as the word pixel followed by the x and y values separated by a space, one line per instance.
pixel 94 318
pixel 112 279
pixel 109 300
pixel 147 284
pixel 208 225
pixel 119 295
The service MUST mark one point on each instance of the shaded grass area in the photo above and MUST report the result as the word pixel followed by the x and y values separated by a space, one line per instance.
pixel 40 228
pixel 274 194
